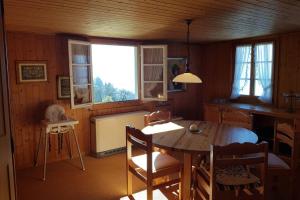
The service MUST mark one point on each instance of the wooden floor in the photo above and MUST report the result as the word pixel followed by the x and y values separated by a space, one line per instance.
pixel 104 179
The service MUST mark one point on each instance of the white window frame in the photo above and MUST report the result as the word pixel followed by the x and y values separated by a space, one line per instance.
pixel 164 65
pixel 71 65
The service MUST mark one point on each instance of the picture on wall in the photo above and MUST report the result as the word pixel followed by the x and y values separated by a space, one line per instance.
pixel 176 66
pixel 31 71
pixel 63 87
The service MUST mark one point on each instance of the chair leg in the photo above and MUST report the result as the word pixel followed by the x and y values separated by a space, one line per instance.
pixel 129 183
pixel 68 142
pixel 38 148
pixel 180 186
pixel 149 192
pixel 78 149
pixel 45 155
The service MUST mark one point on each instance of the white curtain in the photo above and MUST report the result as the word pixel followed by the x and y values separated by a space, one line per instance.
pixel 242 59
pixel 263 70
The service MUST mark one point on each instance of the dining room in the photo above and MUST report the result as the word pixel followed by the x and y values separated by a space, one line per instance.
pixel 150 100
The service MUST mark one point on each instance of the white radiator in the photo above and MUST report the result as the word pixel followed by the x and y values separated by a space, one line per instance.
pixel 108 134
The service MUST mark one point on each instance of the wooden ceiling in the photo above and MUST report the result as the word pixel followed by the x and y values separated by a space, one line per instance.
pixel 154 19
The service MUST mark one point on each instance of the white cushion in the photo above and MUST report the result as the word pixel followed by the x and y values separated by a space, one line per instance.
pixel 159 161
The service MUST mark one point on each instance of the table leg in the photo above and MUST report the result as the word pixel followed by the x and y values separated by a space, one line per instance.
pixel 186 177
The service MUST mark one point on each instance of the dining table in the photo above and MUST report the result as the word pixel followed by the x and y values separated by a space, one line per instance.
pixel 176 136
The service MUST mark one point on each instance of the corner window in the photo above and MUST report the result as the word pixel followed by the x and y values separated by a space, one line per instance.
pixel 109 73
pixel 114 73
pixel 253 75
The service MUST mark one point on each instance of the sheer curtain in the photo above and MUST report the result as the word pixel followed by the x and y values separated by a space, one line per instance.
pixel 242 59
pixel 263 71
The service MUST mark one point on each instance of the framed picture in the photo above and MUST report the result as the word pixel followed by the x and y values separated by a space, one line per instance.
pixel 63 87
pixel 31 71
pixel 175 66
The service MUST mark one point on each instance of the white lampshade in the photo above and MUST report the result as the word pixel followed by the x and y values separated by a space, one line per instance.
pixel 187 77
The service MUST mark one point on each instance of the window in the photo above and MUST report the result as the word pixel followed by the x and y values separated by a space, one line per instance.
pixel 114 73
pixel 154 72
pixel 108 73
pixel 253 74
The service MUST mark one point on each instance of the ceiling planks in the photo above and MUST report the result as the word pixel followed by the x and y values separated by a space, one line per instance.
pixel 154 19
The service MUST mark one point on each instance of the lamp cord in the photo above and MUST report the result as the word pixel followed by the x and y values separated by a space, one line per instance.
pixel 188 22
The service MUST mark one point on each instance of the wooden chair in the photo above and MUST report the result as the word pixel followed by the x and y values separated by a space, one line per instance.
pixel 149 166
pixel 157 117
pixel 234 168
pixel 281 164
pixel 237 118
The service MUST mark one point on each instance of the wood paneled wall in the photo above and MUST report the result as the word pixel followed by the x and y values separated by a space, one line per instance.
pixel 29 100
pixel 212 62
pixel 218 62
pixel 289 66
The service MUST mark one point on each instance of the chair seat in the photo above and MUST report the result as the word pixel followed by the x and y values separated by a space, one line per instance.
pixel 275 162
pixel 160 161
pixel 236 177
pixel 63 129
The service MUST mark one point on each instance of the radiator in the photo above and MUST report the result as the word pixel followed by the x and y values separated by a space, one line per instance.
pixel 108 134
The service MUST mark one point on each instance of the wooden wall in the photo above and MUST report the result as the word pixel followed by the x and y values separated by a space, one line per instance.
pixel 218 61
pixel 289 66
pixel 29 100
pixel 212 62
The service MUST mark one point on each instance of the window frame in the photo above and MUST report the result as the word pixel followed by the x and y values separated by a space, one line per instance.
pixel 165 72
pixel 252 65
pixel 137 72
pixel 71 64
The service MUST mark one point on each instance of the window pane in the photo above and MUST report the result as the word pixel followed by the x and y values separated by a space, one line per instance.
pixel 258 90
pixel 246 71
pixel 241 85
pixel 244 87
pixel 114 73
pixel 80 54
pixel 81 74
pixel 243 54
pixel 263 54
pixel 153 56
pixel 153 90
pixel 153 73
pixel 82 94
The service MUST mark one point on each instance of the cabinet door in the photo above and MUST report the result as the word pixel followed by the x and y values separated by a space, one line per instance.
pixel 154 72
pixel 80 67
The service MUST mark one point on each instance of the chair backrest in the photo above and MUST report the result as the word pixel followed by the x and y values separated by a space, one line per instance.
pixel 157 117
pixel 284 133
pixel 55 113
pixel 137 138
pixel 236 154
pixel 237 118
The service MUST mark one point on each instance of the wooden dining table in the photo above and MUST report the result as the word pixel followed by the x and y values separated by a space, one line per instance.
pixel 176 136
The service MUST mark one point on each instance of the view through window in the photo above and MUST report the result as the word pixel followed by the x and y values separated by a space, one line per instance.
pixel 114 73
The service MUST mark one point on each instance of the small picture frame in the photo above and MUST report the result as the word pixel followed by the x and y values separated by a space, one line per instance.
pixel 31 71
pixel 176 66
pixel 63 87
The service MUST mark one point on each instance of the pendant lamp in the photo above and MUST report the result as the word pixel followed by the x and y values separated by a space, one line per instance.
pixel 187 76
